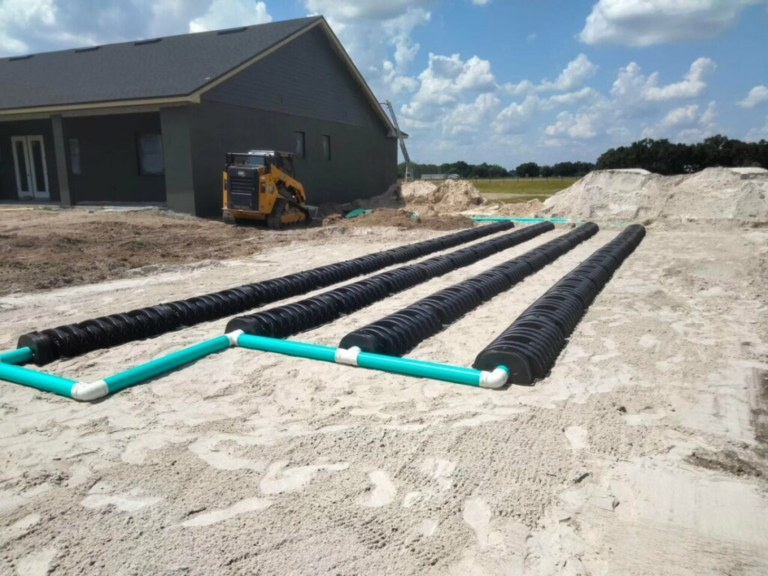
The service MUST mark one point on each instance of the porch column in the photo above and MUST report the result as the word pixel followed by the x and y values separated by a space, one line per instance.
pixel 60 150
pixel 177 152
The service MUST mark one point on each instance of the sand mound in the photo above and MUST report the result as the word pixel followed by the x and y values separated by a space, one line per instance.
pixel 714 195
pixel 450 196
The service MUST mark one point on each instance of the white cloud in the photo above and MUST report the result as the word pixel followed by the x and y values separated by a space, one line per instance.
pixel 445 82
pixel 364 10
pixel 571 98
pixel 759 133
pixel 481 2
pixel 230 14
pixel 585 124
pixel 632 87
pixel 685 124
pixel 649 22
pixel 43 25
pixel 757 95
pixel 471 118
pixel 517 118
pixel 573 76
pixel 378 37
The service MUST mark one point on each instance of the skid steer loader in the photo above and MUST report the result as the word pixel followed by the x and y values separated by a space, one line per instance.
pixel 260 185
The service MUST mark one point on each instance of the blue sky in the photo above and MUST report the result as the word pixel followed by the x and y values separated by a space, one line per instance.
pixel 501 81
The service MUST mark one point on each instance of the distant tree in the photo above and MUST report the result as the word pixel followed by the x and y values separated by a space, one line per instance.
pixel 547 171
pixel 528 170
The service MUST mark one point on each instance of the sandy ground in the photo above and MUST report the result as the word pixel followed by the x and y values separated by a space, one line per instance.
pixel 46 249
pixel 643 453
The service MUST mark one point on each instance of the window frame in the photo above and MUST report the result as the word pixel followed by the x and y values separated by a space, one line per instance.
pixel 325 143
pixel 140 156
pixel 303 136
pixel 76 169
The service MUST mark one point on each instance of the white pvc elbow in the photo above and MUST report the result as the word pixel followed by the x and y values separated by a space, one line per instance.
pixel 495 379
pixel 85 391
pixel 347 356
pixel 233 336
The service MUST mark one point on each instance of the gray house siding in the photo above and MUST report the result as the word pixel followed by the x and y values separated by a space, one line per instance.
pixel 363 161
pixel 302 87
pixel 304 78
pixel 8 188
pixel 109 161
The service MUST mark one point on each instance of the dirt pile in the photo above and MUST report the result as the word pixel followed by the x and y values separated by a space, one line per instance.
pixel 450 196
pixel 715 195
pixel 510 209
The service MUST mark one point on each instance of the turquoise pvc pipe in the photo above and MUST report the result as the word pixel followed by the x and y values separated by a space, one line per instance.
pixel 522 220
pixel 407 366
pixel 159 366
pixel 419 368
pixel 35 379
pixel 288 347
pixel 18 356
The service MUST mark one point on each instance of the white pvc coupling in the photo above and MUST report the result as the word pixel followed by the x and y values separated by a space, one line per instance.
pixel 348 357
pixel 233 336
pixel 85 391
pixel 495 379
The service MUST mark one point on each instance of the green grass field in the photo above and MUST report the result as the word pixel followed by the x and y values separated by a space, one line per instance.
pixel 513 190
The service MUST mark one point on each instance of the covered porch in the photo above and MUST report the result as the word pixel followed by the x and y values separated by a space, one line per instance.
pixel 99 157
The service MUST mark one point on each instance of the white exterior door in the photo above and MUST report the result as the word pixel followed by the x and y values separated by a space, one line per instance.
pixel 30 167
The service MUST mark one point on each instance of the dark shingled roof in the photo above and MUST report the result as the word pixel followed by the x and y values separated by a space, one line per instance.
pixel 157 68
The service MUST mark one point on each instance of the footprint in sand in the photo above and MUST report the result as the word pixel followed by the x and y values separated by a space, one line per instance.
pixel 136 450
pixel 19 528
pixel 577 437
pixel 101 495
pixel 123 503
pixel 383 492
pixel 37 563
pixel 219 515
pixel 218 451
pixel 478 515
pixel 439 470
pixel 279 478
pixel 427 527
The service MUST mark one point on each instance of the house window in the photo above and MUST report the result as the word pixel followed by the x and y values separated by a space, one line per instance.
pixel 74 156
pixel 151 162
pixel 298 147
pixel 326 141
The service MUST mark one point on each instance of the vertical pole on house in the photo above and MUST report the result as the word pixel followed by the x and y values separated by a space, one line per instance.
pixel 60 152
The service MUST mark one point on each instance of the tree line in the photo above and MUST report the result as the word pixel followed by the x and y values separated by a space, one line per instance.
pixel 526 170
pixel 664 157
pixel 659 156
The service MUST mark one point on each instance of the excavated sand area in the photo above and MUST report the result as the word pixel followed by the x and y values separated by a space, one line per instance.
pixel 719 196
pixel 644 451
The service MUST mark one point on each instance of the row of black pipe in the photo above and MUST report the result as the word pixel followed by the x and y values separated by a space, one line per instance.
pixel 530 346
pixel 73 340
pixel 401 331
pixel 290 319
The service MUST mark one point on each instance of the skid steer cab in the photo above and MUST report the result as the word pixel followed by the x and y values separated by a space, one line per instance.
pixel 261 185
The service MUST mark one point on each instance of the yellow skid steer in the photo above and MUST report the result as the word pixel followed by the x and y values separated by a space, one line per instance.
pixel 260 185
